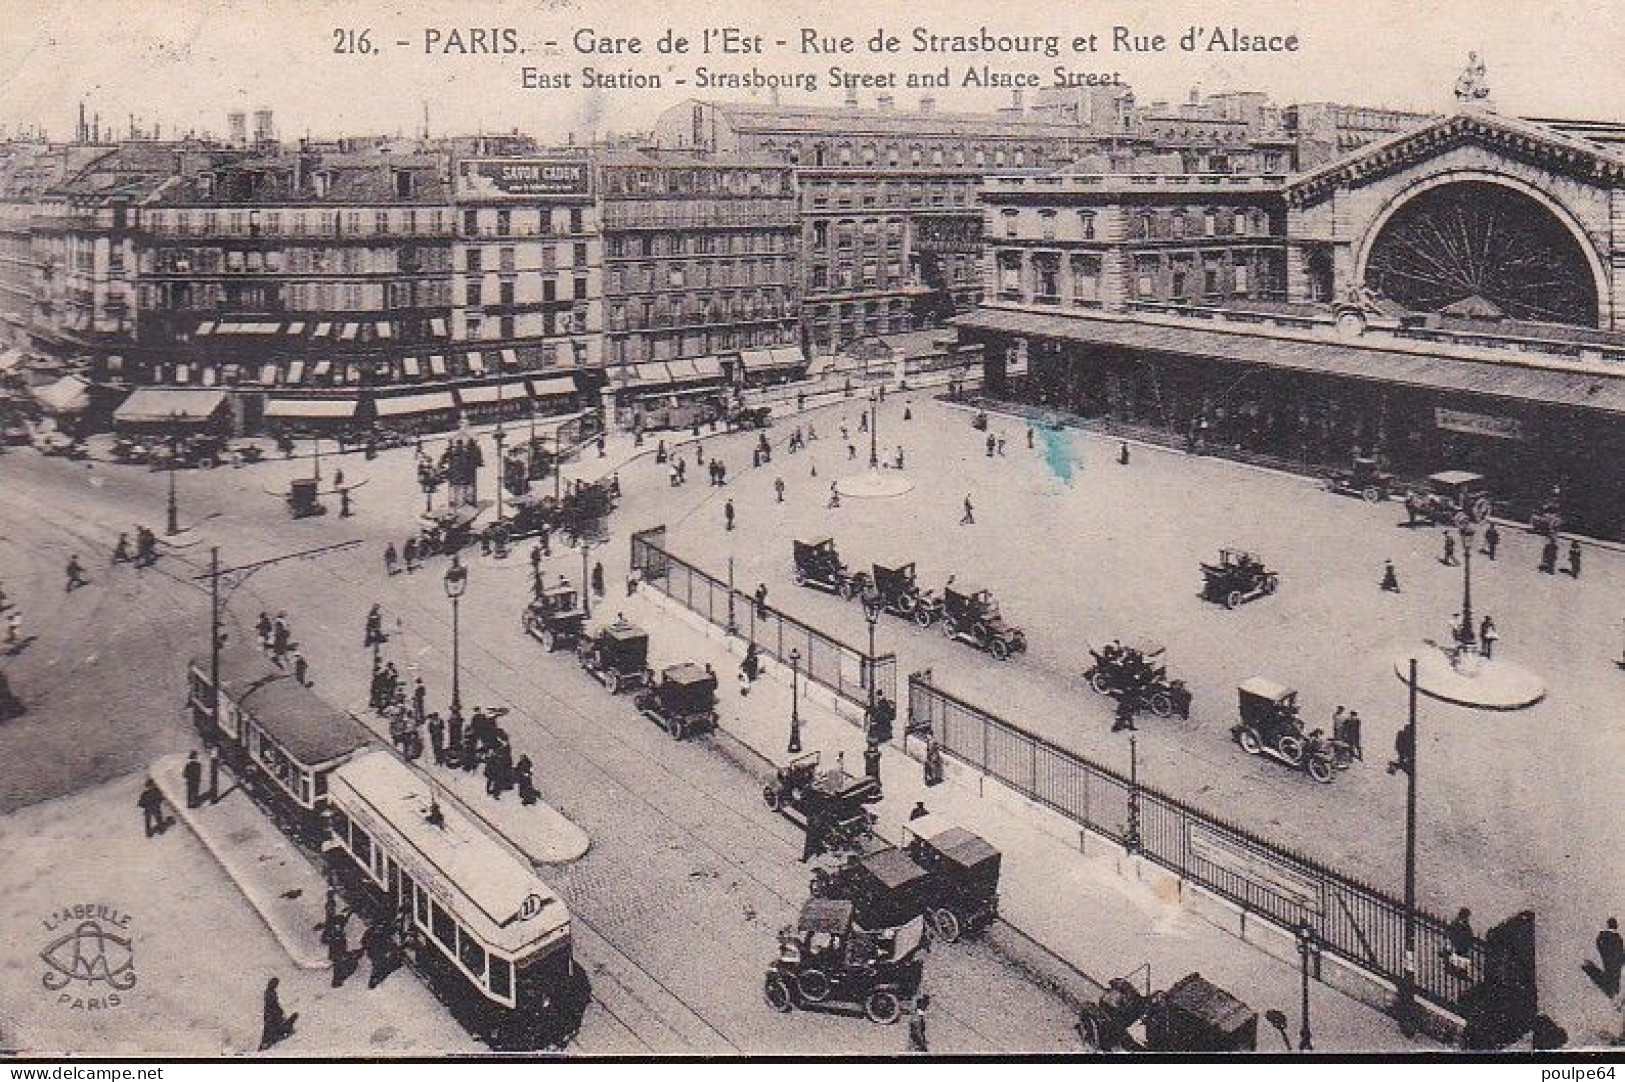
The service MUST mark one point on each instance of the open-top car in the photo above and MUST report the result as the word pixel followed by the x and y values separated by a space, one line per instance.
pixel 825 958
pixel 1449 498
pixel 1195 1015
pixel 1238 577
pixel 617 656
pixel 832 803
pixel 556 617
pixel 963 894
pixel 902 595
pixel 683 701
pixel 1364 478
pixel 1270 725
pixel 971 614
pixel 818 565
pixel 1137 667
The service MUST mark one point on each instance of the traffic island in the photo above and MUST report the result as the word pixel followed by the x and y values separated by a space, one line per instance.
pixel 874 484
pixel 1472 680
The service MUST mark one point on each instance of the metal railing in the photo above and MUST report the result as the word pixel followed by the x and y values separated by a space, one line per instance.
pixel 821 657
pixel 1348 918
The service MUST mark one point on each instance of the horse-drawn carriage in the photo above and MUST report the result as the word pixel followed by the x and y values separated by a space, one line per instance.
pixel 747 417
pixel 449 529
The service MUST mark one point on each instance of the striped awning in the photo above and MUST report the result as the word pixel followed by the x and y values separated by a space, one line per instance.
pixel 410 366
pixel 70 394
pixel 296 372
pixel 437 364
pixel 777 357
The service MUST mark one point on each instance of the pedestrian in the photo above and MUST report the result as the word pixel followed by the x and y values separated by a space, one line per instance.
pixel 282 636
pixel 1338 717
pixel 14 628
pixel 1574 558
pixel 992 442
pixel 778 489
pixel 908 411
pixel 214 773
pixel 1459 936
pixel 934 773
pixel 1611 951
pixel 335 935
pixel 528 793
pixel 871 761
pixel 1001 446
pixel 600 445
pixel 1488 637
pixel 834 494
pixel 899 464
pixel 76 575
pixel 1125 713
pixel 916 1025
pixel 410 553
pixel 1492 540
pixel 151 803
pixel 301 670
pixel 375 626
pixel 1548 556
pixel 969 517
pixel 344 503
pixel 193 773
pixel 1390 581
pixel 1404 750
pixel 918 811
pixel 1351 735
pixel 761 601
pixel 1449 558
pixel 597 578
pixel 391 561
pixel 1122 453
pixel 420 694
pixel 437 738
pixel 378 943
pixel 121 551
pixel 278 1024
pixel 851 452
pixel 675 476
pixel 728 514
pixel 1029 437
pixel 454 738
pixel 863 421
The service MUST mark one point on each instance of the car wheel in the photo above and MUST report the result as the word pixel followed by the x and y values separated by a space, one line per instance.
pixel 1232 599
pixel 1249 742
pixel 1291 749
pixel 922 615
pixel 1089 1032
pixel 1099 682
pixel 1320 769
pixel 814 985
pixel 945 925
pixel 1161 704
pixel 883 1006
pixel 777 992
pixel 818 886
pixel 801 577
pixel 550 641
pixel 772 797
pixel 999 649
pixel 949 628
pixel 675 727
pixel 1371 494
pixel 1270 583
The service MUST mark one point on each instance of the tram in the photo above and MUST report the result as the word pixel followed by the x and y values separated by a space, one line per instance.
pixel 282 739
pixel 491 936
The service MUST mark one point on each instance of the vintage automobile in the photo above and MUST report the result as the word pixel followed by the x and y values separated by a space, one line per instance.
pixel 1364 479
pixel 971 614
pixel 832 803
pixel 825 958
pixel 304 498
pixel 617 656
pixel 1195 1015
pixel 886 887
pixel 683 701
pixel 1137 666
pixel 1449 498
pixel 1547 519
pixel 449 529
pixel 747 417
pixel 555 617
pixel 963 894
pixel 1238 577
pixel 901 594
pixel 818 565
pixel 1270 726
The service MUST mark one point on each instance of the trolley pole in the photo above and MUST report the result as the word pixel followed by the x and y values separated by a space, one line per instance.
pixel 1406 1003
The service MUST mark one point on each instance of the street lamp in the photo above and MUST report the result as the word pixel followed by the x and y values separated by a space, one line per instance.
pixel 874 439
pixel 1466 635
pixel 1306 947
pixel 795 713
pixel 1405 759
pixel 456 583
pixel 172 523
pixel 586 587
pixel 1131 836
pixel 316 458
pixel 502 466
pixel 873 603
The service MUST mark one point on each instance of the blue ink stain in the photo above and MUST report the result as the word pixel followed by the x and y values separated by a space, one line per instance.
pixel 1058 452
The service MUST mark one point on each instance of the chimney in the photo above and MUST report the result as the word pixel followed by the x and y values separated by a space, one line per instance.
pixel 928 104
pixel 84 128
pixel 851 97
pixel 96 128
pixel 237 128
pixel 264 126
pixel 885 102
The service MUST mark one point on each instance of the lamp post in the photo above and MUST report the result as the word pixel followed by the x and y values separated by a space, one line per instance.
pixel 795 712
pixel 316 458
pixel 172 521
pixel 1466 635
pixel 1306 947
pixel 586 587
pixel 1131 836
pixel 502 466
pixel 1405 1005
pixel 456 583
pixel 733 624
pixel 873 603
pixel 874 437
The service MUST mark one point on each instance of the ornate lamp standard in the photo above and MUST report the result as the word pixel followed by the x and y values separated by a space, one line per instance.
pixel 795 713
pixel 172 521
pixel 1306 949
pixel 873 604
pixel 874 436
pixel 502 466
pixel 456 583
pixel 1466 635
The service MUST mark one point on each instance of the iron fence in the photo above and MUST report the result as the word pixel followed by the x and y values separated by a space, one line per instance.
pixel 1347 918
pixel 821 657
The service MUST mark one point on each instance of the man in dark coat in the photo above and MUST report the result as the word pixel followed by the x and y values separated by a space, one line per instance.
pixel 1611 950
pixel 437 738
pixel 278 1025
pixel 151 803
pixel 193 773
pixel 1548 557
pixel 418 697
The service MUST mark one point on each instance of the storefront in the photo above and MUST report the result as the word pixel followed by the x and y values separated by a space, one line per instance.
pixel 165 411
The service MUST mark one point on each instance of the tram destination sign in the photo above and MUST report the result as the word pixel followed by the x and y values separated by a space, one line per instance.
pixel 520 178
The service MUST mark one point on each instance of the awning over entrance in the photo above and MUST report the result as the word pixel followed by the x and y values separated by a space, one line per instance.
pixel 649 374
pixel 776 358
pixel 508 390
pixel 1496 379
pixel 409 405
pixel 324 409
pixel 694 370
pixel 70 394
pixel 153 404
pixel 553 387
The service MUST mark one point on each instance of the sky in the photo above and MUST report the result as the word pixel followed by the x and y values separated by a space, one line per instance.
pixel 186 63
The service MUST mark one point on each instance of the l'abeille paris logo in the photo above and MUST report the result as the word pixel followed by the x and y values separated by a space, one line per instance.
pixel 89 958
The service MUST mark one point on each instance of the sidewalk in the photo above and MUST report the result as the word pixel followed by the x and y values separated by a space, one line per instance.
pixel 1077 895
pixel 282 886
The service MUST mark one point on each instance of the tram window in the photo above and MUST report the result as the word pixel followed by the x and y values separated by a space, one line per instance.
pixel 442 926
pixel 420 903
pixel 321 784
pixel 501 977
pixel 304 789
pixel 361 846
pixel 341 826
pixel 472 955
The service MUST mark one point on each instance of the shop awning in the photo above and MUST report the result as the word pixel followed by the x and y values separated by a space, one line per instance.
pixel 761 360
pixel 149 404
pixel 268 374
pixel 322 369
pixel 510 359
pixel 205 328
pixel 322 330
pixel 646 374
pixel 410 366
pixel 348 332
pixel 511 390
pixel 438 327
pixel 294 329
pixel 70 394
pixel 383 330
pixel 339 409
pixel 553 387
pixel 296 371
pixel 408 405
pixel 1496 379
pixel 476 363
pixel 437 364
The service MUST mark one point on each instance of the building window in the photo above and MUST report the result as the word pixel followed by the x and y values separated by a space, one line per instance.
pixel 505 261
pixel 1011 220
pixel 471 222
pixel 474 260
pixel 1210 223
pixel 1046 224
pixel 579 255
pixel 472 294
pixel 504 223
pixel 577 220
pixel 1086 224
